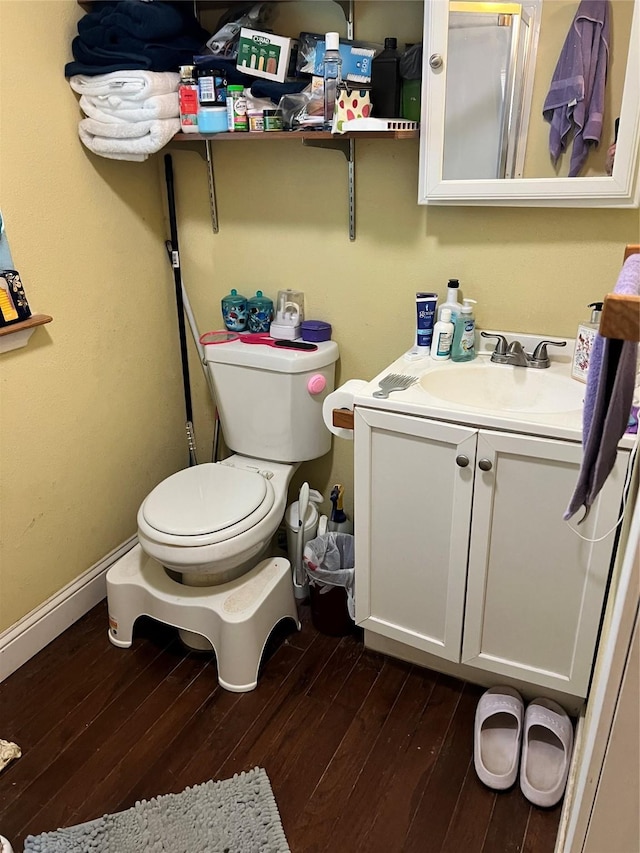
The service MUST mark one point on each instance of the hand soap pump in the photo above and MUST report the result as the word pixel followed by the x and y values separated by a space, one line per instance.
pixel 451 301
pixel 584 343
pixel 463 347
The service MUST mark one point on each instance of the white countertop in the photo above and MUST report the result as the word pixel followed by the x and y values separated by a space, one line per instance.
pixel 418 401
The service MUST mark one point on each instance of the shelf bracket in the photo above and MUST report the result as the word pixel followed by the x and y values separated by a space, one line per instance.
pixel 213 204
pixel 206 153
pixel 347 8
pixel 348 148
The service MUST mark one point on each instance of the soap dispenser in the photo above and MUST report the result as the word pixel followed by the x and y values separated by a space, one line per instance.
pixel 463 347
pixel 585 338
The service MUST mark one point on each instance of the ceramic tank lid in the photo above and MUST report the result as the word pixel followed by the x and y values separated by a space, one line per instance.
pixel 272 358
pixel 203 499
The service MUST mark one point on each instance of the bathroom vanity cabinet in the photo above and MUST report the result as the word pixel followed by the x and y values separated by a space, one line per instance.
pixel 462 552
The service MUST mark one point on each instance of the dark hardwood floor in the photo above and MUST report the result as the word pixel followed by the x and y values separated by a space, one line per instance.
pixel 364 753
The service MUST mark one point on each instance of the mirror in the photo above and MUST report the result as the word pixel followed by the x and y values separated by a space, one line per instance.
pixel 488 69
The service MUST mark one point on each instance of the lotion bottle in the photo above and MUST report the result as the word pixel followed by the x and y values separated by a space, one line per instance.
pixel 463 347
pixel 442 337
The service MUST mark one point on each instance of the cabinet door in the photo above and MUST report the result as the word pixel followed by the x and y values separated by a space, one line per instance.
pixel 412 507
pixel 536 589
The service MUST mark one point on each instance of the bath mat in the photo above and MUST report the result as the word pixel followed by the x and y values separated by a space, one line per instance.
pixel 236 815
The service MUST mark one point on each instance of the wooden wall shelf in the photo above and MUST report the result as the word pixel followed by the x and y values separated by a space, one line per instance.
pixel 17 335
pixel 304 135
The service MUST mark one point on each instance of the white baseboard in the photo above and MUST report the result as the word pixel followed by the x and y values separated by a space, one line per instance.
pixel 37 629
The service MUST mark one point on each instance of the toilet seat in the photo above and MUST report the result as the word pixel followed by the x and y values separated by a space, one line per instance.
pixel 204 505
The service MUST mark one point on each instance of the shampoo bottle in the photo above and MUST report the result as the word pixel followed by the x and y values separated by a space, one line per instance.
pixel 442 337
pixel 463 347
pixel 584 343
pixel 451 301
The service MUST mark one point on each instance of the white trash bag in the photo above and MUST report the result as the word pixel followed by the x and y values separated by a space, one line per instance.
pixel 329 561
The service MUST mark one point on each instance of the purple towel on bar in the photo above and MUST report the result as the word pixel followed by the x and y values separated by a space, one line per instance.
pixel 576 95
pixel 607 405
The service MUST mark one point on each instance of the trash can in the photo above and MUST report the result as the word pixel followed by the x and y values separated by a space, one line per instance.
pixel 329 567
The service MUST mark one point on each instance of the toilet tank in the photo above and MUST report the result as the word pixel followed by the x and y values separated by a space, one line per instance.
pixel 270 399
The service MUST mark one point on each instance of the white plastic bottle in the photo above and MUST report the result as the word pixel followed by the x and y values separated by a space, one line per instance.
pixel 451 301
pixel 442 337
pixel 332 70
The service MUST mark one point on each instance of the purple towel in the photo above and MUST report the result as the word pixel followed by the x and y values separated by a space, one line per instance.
pixel 576 95
pixel 607 405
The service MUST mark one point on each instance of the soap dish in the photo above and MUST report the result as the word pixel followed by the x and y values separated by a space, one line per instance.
pixel 315 331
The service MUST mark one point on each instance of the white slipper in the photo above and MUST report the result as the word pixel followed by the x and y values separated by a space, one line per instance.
pixel 547 744
pixel 497 734
pixel 5 847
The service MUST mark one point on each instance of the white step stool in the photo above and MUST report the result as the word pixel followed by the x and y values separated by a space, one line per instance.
pixel 236 617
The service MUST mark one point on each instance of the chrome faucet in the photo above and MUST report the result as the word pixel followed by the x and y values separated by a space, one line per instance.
pixel 514 353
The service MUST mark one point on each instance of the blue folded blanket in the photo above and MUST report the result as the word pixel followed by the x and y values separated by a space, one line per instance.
pixel 153 36
pixel 139 19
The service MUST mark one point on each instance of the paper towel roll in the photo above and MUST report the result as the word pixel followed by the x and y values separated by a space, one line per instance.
pixel 341 398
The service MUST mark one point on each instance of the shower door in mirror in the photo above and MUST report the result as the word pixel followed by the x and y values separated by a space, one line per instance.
pixel 491 59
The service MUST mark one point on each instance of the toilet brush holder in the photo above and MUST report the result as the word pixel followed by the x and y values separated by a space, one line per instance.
pixel 298 535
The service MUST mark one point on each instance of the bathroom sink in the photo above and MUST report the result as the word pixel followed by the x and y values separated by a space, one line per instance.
pixel 503 388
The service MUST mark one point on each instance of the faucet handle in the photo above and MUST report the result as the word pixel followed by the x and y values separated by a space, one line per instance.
pixel 501 345
pixel 540 353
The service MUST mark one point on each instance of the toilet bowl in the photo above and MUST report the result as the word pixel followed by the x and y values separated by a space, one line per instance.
pixel 213 522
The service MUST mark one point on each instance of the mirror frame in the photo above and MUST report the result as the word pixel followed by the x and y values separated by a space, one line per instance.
pixel 621 189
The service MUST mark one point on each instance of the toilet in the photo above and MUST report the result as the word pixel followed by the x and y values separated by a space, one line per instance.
pixel 201 563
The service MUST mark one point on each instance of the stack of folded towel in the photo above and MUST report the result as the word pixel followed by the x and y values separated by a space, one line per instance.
pixel 129 114
pixel 126 57
pixel 149 35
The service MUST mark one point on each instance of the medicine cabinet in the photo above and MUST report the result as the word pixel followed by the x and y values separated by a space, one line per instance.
pixel 466 158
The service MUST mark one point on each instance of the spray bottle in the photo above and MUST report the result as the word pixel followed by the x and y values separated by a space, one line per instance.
pixel 338 522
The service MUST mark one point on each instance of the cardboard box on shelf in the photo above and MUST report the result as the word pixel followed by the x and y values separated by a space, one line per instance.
pixel 357 57
pixel 264 54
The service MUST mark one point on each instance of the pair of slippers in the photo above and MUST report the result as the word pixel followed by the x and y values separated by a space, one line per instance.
pixel 538 742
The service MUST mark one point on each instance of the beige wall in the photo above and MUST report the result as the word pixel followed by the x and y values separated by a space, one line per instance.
pixel 92 410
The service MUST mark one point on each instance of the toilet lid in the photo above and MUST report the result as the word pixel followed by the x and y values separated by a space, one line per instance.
pixel 203 499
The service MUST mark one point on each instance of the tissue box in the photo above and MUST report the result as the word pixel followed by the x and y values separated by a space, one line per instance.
pixel 357 57
pixel 264 54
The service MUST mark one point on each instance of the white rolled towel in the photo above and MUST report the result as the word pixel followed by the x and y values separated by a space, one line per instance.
pixel 160 132
pixel 155 107
pixel 133 84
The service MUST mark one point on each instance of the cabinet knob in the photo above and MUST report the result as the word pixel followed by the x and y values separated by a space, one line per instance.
pixel 435 61
pixel 462 461
pixel 485 464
